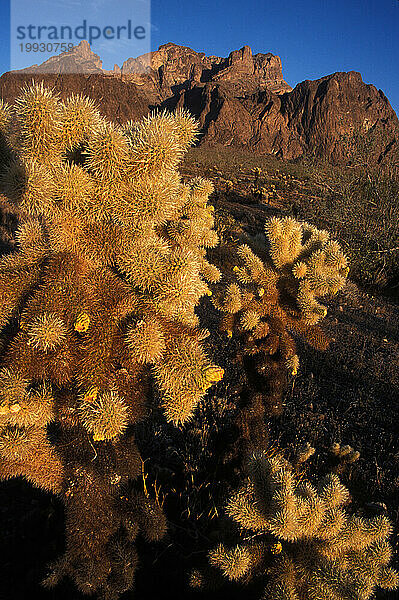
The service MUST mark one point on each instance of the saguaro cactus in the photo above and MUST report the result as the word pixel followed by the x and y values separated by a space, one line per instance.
pixel 98 296
pixel 303 538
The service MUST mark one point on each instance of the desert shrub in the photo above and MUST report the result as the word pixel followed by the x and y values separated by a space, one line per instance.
pixel 97 300
pixel 364 207
pixel 300 539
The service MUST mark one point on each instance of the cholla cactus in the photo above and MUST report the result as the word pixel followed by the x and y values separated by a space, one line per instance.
pixel 99 295
pixel 274 284
pixel 342 456
pixel 303 538
pixel 269 290
pixel 282 276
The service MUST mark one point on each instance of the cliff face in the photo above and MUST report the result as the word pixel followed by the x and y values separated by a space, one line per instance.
pixel 321 111
pixel 310 119
pixel 241 100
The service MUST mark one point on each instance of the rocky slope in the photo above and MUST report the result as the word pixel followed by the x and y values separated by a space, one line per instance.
pixel 309 120
pixel 116 100
pixel 241 101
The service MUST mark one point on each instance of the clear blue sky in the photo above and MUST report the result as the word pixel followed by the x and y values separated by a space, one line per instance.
pixel 312 37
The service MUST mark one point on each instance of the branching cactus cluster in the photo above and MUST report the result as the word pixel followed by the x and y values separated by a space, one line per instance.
pixel 301 539
pixel 270 290
pixel 275 286
pixel 98 297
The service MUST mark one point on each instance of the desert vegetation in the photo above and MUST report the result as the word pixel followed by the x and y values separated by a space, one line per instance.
pixel 355 200
pixel 302 537
pixel 158 337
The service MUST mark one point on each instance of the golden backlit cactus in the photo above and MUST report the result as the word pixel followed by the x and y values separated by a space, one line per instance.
pixel 267 294
pixel 13 385
pixel 158 142
pixel 283 279
pixel 183 373
pixel 46 332
pixel 104 416
pixel 269 291
pixel 146 341
pixel 36 124
pixel 342 456
pixel 303 539
pixel 79 117
pixel 98 297
pixel 32 407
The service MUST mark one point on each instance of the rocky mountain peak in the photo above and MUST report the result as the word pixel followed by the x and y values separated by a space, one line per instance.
pixel 83 50
pixel 174 65
pixel 243 55
pixel 80 59
pixel 240 101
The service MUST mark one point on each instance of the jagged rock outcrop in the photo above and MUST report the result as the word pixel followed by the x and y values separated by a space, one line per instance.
pixel 171 64
pixel 173 67
pixel 81 59
pixel 257 71
pixel 179 67
pixel 240 101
